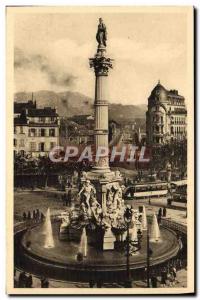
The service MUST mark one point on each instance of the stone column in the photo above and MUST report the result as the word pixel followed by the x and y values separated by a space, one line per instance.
pixel 101 65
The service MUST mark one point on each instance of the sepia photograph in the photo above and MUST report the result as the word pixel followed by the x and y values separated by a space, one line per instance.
pixel 100 159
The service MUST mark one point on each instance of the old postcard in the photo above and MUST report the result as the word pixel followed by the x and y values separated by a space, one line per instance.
pixel 100 139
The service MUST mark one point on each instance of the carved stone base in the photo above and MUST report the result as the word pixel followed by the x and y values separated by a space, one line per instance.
pixel 108 240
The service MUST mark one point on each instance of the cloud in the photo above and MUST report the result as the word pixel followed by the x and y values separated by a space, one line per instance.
pixel 37 63
pixel 62 64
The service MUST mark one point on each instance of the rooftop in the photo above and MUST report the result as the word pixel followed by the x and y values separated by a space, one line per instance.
pixel 160 92
pixel 42 112
pixel 20 106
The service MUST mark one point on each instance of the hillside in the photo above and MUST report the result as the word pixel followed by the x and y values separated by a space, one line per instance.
pixel 74 103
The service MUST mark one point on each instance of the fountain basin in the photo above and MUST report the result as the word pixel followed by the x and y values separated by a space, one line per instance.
pixel 60 262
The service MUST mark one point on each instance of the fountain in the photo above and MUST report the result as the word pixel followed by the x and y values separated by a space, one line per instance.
pixel 49 242
pixel 154 230
pixel 101 208
pixel 83 243
pixel 144 218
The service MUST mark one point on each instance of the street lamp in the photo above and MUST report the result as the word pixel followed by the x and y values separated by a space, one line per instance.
pixel 149 253
pixel 127 218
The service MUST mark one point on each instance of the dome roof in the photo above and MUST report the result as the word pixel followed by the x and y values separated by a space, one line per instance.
pixel 160 92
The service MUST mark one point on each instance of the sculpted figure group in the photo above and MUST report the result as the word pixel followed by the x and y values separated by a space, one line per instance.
pixel 91 208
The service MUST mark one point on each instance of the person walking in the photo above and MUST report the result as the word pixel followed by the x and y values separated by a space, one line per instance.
pixel 24 216
pixel 163 278
pixel 42 217
pixel 160 212
pixel 164 212
pixel 91 283
pixel 29 215
pixel 29 281
pixel 44 282
pixel 37 214
pixel 99 283
pixel 174 273
pixel 154 281
pixel 22 280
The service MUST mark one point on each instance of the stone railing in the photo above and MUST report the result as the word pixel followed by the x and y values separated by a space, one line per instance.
pixel 174 225
pixel 25 225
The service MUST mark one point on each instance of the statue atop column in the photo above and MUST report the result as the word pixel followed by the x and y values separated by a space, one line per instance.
pixel 101 35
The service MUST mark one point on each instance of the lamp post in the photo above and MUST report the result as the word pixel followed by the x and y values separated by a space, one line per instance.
pixel 149 253
pixel 148 261
pixel 128 218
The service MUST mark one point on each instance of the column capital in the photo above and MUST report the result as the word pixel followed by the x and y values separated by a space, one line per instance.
pixel 101 65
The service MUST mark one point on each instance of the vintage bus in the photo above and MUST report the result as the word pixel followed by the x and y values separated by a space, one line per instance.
pixel 179 191
pixel 146 190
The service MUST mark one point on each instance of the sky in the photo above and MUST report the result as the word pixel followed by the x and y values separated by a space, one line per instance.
pixel 52 52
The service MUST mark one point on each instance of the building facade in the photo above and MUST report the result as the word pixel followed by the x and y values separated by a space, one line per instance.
pixel 36 131
pixel 166 117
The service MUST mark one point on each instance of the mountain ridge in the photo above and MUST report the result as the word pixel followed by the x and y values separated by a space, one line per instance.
pixel 74 103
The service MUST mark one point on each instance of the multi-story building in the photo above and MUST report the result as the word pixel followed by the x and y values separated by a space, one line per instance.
pixel 36 131
pixel 166 116
pixel 19 107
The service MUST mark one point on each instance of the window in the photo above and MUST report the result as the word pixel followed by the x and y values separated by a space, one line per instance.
pixel 42 147
pixel 161 119
pixel 21 143
pixel 15 129
pixel 32 146
pixel 42 132
pixel 32 132
pixel 21 129
pixel 52 119
pixel 51 132
pixel 15 142
pixel 42 119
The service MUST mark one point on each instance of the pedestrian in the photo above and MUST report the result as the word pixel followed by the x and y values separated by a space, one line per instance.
pixel 91 283
pixel 159 218
pixel 171 279
pixel 37 214
pixel 160 212
pixel 99 283
pixel 154 281
pixel 174 272
pixel 164 212
pixel 22 280
pixel 42 217
pixel 29 215
pixel 24 216
pixel 34 214
pixel 163 278
pixel 44 282
pixel 29 281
